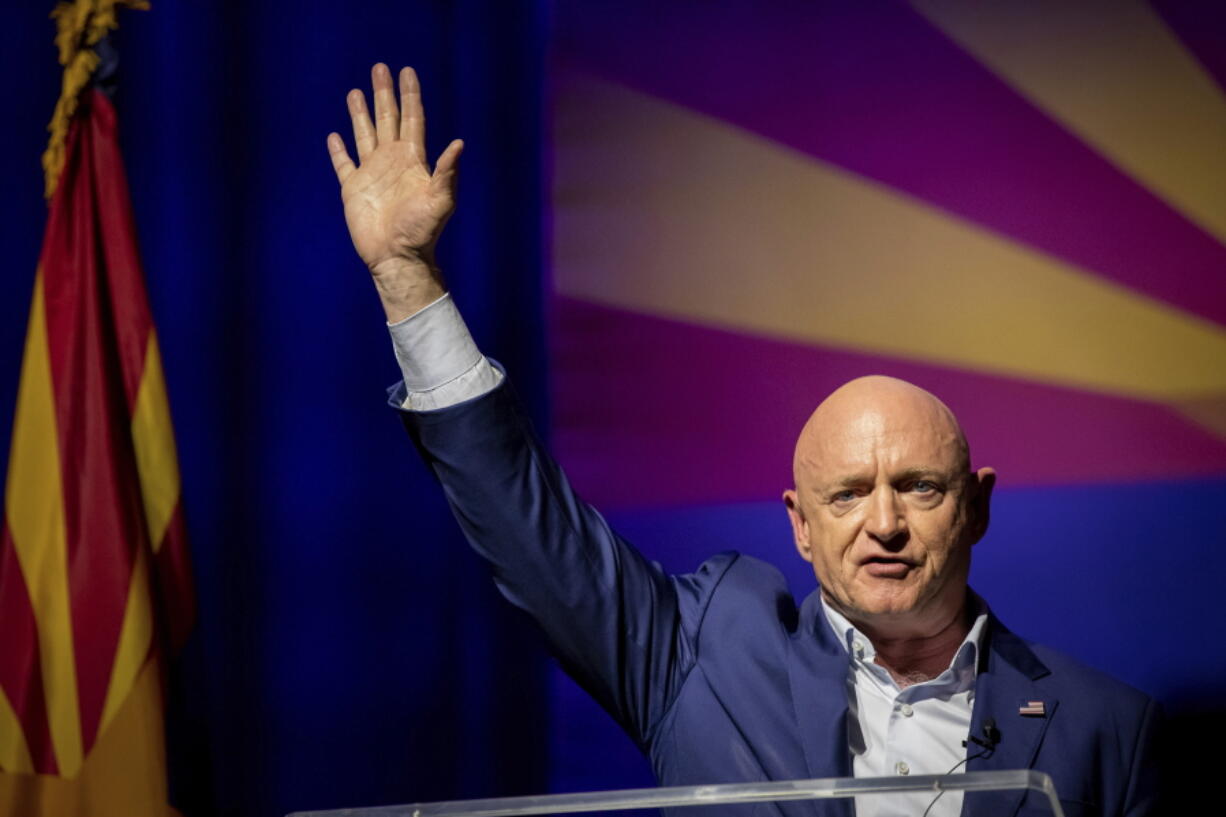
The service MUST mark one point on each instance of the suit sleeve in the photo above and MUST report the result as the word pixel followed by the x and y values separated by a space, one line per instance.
pixel 621 627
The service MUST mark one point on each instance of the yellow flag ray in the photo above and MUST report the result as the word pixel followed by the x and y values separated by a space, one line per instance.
pixel 1114 74
pixel 688 217
pixel 154 440
pixel 34 507
pixel 14 751
pixel 158 469
pixel 107 785
pixel 135 639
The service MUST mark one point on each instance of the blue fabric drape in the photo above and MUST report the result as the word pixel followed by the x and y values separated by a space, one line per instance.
pixel 349 649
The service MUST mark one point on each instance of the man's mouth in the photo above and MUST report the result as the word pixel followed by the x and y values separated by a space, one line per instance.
pixel 887 567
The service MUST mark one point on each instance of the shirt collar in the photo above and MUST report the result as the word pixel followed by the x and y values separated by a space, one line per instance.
pixel 965 662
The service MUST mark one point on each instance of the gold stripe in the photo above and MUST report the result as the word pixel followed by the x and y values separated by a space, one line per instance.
pixel 1209 413
pixel 135 637
pixel 687 217
pixel 1114 74
pixel 14 751
pixel 35 508
pixel 154 440
pixel 125 773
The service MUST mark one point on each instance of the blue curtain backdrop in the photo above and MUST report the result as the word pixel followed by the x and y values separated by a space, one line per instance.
pixel 349 649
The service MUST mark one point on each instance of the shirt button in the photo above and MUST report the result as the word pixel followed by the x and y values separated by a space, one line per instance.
pixel 858 648
pixel 906 710
pixel 902 768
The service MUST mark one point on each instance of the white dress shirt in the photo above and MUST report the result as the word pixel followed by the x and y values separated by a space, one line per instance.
pixel 917 730
pixel 438 358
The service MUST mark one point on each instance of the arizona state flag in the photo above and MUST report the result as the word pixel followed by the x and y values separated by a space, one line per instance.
pixel 94 577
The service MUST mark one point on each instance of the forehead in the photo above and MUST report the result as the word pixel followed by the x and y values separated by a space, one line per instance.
pixel 887 441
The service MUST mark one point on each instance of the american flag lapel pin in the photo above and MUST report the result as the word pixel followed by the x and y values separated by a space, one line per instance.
pixel 1033 709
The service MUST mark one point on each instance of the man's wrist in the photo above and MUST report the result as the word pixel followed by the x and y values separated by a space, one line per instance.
pixel 438 358
pixel 407 285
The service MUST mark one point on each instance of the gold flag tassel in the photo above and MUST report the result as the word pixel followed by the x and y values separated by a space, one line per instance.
pixel 79 24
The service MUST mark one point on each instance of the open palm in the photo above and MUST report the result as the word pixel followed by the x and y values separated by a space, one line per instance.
pixel 395 206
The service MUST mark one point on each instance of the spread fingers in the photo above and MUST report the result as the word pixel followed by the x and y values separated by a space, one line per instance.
pixel 341 162
pixel 363 130
pixel 413 118
pixel 387 115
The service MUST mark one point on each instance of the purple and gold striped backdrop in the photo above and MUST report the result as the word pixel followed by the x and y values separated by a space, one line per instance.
pixel 1020 206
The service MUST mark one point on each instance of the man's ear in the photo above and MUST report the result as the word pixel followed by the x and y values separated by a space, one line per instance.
pixel 980 501
pixel 800 526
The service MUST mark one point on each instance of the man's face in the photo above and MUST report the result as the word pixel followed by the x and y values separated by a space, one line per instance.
pixel 885 507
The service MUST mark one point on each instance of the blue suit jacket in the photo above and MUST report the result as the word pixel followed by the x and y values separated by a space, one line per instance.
pixel 717 674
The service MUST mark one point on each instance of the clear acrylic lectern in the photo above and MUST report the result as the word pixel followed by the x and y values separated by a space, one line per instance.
pixel 724 793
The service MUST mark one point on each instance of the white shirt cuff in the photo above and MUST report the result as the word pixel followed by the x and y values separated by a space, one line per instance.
pixel 439 359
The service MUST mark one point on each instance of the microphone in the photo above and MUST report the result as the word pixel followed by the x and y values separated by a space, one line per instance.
pixel 991 736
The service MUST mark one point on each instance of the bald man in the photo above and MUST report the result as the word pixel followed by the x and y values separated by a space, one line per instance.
pixel 886 509
pixel 891 667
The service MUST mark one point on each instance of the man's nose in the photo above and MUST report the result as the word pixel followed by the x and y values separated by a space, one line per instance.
pixel 886 519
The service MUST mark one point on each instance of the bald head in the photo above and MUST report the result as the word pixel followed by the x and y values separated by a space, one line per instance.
pixel 875 407
pixel 886 508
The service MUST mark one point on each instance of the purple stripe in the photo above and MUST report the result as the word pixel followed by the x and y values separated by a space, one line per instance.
pixel 651 412
pixel 875 88
pixel 1201 25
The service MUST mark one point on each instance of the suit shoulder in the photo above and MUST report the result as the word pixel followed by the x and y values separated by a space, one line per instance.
pixel 1063 664
pixel 1079 681
pixel 739 592
pixel 1060 672
pixel 755 577
pixel 735 576
pixel 733 572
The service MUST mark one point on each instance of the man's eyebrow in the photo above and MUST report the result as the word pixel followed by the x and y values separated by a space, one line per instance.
pixel 917 472
pixel 852 481
pixel 923 472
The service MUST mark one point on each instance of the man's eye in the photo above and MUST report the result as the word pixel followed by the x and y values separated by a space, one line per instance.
pixel 923 486
pixel 844 496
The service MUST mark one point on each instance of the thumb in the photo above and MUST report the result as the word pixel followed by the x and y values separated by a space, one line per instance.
pixel 448 164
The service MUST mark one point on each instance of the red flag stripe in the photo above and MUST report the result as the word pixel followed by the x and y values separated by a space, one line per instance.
pixel 104 517
pixel 175 596
pixel 21 675
pixel 125 299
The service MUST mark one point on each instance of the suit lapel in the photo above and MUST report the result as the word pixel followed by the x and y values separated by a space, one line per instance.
pixel 817 672
pixel 1005 691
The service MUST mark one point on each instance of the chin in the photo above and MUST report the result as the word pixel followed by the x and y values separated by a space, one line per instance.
pixel 886 604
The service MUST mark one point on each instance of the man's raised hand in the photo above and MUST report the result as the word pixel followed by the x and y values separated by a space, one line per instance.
pixel 394 205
